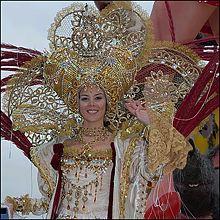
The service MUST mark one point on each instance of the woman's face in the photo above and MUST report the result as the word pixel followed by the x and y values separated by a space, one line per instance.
pixel 92 104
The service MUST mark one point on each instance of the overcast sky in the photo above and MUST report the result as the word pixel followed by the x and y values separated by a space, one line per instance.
pixel 25 23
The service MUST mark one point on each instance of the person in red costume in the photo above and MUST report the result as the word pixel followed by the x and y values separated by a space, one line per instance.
pixel 188 18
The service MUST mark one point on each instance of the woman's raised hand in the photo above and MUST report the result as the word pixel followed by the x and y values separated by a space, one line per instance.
pixel 139 110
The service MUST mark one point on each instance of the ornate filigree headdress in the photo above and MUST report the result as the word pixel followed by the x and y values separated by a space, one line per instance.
pixel 100 48
pixel 106 48
pixel 66 74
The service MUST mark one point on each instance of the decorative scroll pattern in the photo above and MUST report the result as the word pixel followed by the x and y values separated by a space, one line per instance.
pixel 168 76
pixel 92 34
pixel 36 110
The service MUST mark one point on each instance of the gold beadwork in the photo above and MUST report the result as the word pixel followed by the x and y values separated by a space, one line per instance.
pixel 86 153
pixel 82 160
pixel 101 133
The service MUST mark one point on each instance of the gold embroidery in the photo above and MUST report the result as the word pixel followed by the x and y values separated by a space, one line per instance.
pixel 133 127
pixel 192 56
pixel 166 145
pixel 44 172
pixel 80 161
pixel 25 204
pixel 141 53
pixel 91 154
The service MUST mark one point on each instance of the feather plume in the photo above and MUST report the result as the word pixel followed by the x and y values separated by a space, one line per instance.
pixel 18 138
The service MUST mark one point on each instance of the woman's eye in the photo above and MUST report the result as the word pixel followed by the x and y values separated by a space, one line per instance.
pixel 98 97
pixel 84 99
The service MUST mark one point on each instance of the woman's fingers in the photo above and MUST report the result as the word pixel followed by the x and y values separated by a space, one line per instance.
pixel 130 107
pixel 139 109
pixel 134 104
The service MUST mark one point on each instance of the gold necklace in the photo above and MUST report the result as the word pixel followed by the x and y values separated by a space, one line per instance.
pixel 98 134
pixel 91 132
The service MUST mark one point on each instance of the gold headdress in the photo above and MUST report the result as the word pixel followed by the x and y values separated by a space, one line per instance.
pixel 65 73
pixel 86 45
pixel 107 48
pixel 99 48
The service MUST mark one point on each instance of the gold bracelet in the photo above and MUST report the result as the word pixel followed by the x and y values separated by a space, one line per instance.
pixel 22 204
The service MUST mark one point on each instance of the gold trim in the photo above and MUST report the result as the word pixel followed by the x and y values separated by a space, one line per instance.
pixel 124 184
pixel 179 48
pixel 72 152
pixel 133 127
pixel 166 145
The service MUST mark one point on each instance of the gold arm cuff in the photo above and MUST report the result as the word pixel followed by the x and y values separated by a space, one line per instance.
pixel 166 145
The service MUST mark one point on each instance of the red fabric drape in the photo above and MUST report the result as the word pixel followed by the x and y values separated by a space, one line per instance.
pixel 56 164
pixel 171 26
pixel 12 58
pixel 191 105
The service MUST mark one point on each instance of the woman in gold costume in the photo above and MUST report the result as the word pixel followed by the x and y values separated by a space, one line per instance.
pixel 109 150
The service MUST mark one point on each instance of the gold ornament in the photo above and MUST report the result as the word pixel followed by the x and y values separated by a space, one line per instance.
pixel 106 49
pixel 99 133
pixel 84 160
pixel 66 74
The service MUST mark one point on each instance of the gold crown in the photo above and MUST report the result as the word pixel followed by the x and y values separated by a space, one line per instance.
pixel 106 49
pixel 65 73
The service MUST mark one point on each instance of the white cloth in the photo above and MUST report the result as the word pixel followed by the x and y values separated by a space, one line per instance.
pixel 135 202
pixel 93 210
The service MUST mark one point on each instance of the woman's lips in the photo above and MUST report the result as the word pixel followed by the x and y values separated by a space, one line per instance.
pixel 92 111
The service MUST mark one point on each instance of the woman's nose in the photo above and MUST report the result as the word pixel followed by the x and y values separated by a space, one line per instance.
pixel 91 102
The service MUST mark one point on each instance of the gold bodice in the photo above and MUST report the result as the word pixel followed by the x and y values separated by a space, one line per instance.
pixel 86 182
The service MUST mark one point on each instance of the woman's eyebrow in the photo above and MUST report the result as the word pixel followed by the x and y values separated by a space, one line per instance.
pixel 94 94
pixel 99 94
